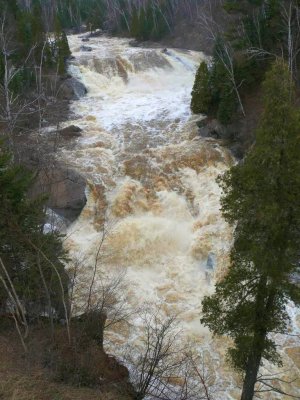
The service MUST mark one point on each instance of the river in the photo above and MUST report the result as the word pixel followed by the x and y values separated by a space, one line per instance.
pixel 151 184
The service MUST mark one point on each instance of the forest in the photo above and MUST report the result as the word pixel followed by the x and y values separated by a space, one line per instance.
pixel 248 86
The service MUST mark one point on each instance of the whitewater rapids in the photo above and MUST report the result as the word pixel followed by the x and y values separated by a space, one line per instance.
pixel 152 182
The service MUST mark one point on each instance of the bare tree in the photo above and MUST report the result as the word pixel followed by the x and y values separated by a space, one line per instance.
pixel 108 303
pixel 14 106
pixel 199 377
pixel 223 51
pixel 162 367
pixel 106 228
pixel 158 359
pixel 18 312
pixel 97 293
pixel 290 14
pixel 288 45
pixel 271 383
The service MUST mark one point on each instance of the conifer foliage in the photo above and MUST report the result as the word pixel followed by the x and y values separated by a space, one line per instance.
pixel 61 47
pixel 149 23
pixel 32 260
pixel 214 92
pixel 262 198
pixel 28 44
pixel 201 94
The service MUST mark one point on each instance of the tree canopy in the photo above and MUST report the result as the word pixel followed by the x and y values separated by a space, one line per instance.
pixel 262 199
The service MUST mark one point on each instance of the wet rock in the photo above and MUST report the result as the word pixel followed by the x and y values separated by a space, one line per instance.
pixel 72 89
pixel 65 189
pixel 55 222
pixel 78 88
pixel 86 48
pixel 146 60
pixel 113 66
pixel 134 43
pixel 229 134
pixel 66 88
pixel 97 33
pixel 85 39
pixel 211 128
pixel 237 150
pixel 71 132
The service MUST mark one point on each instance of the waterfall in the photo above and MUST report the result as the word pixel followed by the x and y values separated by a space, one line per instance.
pixel 152 180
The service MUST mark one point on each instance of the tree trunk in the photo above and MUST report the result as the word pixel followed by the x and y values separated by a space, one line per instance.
pixel 251 376
pixel 263 312
pixel 254 357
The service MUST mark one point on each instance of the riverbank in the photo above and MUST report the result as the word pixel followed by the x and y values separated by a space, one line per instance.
pixel 37 142
pixel 25 377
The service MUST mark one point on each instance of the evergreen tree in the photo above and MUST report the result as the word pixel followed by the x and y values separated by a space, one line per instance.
pixel 95 16
pixel 24 246
pixel 143 26
pixel 263 29
pixel 37 22
pixel 227 105
pixel 125 16
pixel 61 46
pixel 24 33
pixel 2 68
pixel 134 28
pixel 213 92
pixel 201 93
pixel 48 55
pixel 13 7
pixel 149 28
pixel 262 197
pixel 161 27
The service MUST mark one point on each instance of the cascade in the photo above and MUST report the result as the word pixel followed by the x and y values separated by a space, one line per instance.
pixel 152 183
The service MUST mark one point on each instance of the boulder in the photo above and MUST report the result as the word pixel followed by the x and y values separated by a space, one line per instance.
pixel 70 132
pixel 97 33
pixel 212 128
pixel 72 89
pixel 65 189
pixel 86 48
pixel 230 135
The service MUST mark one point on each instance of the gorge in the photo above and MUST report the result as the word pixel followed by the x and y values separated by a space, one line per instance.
pixel 152 183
